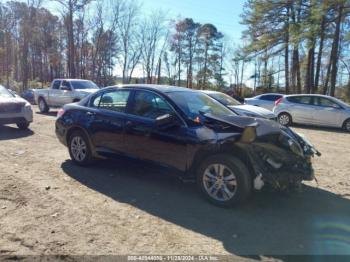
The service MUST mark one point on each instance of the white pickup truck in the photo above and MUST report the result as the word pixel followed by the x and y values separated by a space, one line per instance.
pixel 63 91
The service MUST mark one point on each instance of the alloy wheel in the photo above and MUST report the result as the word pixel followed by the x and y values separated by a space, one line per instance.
pixel 284 119
pixel 78 148
pixel 220 182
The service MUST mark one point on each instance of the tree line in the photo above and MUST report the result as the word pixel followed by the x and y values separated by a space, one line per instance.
pixel 306 40
pixel 291 46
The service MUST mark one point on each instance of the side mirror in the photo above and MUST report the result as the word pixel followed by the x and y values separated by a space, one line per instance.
pixel 166 121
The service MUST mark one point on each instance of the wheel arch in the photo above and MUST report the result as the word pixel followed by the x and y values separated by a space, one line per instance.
pixel 229 149
pixel 73 129
pixel 345 121
pixel 285 112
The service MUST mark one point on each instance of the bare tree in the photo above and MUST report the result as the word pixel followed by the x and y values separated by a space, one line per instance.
pixel 153 32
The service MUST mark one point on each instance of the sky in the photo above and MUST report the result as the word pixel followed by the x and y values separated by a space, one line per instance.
pixel 224 14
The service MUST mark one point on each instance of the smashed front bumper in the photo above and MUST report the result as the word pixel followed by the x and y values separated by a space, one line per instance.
pixel 281 160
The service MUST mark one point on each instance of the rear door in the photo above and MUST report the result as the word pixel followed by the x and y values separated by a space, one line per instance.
pixel 302 109
pixel 145 140
pixel 107 120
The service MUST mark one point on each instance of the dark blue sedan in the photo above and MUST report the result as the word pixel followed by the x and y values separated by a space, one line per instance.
pixel 228 155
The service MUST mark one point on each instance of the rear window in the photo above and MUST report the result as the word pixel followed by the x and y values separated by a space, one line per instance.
pixel 4 92
pixel 270 97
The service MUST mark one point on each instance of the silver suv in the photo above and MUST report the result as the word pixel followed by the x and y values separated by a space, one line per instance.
pixel 317 110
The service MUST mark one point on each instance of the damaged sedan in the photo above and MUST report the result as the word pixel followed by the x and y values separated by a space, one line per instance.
pixel 228 155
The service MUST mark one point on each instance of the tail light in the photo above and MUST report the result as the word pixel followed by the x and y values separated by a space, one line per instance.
pixel 60 113
pixel 277 102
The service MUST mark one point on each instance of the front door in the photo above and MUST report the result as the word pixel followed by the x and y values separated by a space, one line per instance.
pixel 145 140
pixel 328 113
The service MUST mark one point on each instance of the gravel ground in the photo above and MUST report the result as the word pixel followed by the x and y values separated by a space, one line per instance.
pixel 50 206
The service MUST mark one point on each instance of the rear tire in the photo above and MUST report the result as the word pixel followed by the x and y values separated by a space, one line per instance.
pixel 43 107
pixel 347 125
pixel 79 149
pixel 224 180
pixel 285 119
pixel 23 126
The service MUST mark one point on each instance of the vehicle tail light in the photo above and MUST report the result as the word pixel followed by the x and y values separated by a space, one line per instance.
pixel 277 102
pixel 60 113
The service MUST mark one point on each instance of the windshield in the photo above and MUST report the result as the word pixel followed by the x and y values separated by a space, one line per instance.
pixel 84 85
pixel 225 99
pixel 5 93
pixel 194 104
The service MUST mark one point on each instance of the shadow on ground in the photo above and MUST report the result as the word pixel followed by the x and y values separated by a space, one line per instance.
pixel 50 113
pixel 321 128
pixel 313 222
pixel 12 132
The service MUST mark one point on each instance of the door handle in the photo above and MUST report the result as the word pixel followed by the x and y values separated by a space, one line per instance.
pixel 90 113
pixel 129 124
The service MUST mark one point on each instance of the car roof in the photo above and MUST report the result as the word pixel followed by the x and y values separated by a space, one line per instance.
pixel 70 79
pixel 159 88
pixel 210 92
pixel 274 94
pixel 314 95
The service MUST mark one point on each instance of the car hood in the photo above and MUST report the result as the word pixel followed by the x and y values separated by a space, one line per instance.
pixel 263 126
pixel 10 100
pixel 258 111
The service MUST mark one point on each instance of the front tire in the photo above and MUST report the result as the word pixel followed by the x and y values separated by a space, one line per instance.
pixel 285 119
pixel 224 180
pixel 23 126
pixel 43 107
pixel 79 149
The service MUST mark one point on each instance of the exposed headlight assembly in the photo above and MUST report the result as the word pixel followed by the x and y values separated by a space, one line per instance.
pixel 289 142
pixel 249 134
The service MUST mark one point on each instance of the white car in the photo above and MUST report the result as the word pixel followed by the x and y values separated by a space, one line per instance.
pixel 316 110
pixel 14 109
pixel 240 109
pixel 266 101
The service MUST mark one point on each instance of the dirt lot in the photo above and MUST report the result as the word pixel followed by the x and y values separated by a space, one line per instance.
pixel 50 206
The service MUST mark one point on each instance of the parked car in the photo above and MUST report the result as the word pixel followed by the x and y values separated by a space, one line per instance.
pixel 29 96
pixel 317 110
pixel 14 110
pixel 187 130
pixel 239 108
pixel 266 101
pixel 63 91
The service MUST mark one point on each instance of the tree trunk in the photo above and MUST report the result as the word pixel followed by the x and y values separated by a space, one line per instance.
pixel 319 55
pixel 205 65
pixel 286 54
pixel 335 51
pixel 309 85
